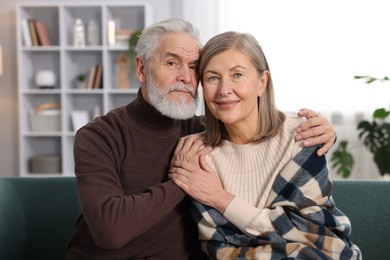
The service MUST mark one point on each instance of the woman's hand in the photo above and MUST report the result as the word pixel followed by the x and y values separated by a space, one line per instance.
pixel 316 130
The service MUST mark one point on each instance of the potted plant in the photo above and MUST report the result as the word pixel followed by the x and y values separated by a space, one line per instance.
pixel 80 80
pixel 133 40
pixel 374 134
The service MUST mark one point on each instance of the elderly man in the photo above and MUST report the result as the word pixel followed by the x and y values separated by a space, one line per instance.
pixel 129 208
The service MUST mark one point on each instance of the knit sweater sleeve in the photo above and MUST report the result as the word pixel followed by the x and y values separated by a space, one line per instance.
pixel 113 217
pixel 250 219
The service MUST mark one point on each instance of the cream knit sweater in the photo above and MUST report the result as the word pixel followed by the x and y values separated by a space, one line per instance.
pixel 248 172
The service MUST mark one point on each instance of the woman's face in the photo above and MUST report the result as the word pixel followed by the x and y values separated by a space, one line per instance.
pixel 231 87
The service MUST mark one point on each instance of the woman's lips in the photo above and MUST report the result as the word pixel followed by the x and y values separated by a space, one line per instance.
pixel 226 104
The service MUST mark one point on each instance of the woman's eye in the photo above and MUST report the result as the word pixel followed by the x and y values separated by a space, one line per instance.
pixel 237 75
pixel 213 78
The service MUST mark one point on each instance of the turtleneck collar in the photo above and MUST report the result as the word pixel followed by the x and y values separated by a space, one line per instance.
pixel 150 117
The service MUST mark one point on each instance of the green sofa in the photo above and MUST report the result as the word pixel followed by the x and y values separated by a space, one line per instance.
pixel 37 216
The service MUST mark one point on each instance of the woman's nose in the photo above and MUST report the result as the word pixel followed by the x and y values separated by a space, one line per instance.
pixel 225 87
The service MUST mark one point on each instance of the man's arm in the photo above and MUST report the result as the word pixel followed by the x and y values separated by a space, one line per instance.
pixel 316 130
pixel 113 217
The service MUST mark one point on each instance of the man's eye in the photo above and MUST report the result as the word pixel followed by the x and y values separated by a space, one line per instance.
pixel 192 67
pixel 173 64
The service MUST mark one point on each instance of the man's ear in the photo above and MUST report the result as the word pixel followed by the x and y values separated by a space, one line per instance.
pixel 140 69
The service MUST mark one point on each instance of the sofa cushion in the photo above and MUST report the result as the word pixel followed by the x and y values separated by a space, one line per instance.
pixel 367 204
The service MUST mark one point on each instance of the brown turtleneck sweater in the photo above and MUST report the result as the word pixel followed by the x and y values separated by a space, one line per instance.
pixel 129 208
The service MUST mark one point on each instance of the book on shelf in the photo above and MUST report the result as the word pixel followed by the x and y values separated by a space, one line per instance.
pixel 26 35
pixel 98 76
pixel 43 35
pixel 122 36
pixel 33 32
pixel 91 77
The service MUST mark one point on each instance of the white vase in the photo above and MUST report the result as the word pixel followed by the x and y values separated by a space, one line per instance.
pixel 45 79
pixel 78 33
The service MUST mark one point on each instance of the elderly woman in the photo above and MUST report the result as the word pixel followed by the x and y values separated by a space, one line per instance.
pixel 259 194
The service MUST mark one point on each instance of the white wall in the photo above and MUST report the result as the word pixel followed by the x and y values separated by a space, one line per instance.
pixel 8 92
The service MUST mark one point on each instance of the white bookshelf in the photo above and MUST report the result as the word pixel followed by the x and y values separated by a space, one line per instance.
pixel 67 61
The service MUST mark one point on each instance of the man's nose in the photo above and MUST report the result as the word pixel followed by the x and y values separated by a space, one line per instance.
pixel 185 74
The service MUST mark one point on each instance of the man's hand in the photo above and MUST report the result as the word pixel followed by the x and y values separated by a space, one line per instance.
pixel 316 130
pixel 190 172
pixel 189 149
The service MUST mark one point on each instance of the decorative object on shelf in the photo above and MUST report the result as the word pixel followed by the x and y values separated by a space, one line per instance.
pixel 45 79
pixel 111 32
pixel 46 118
pixel 79 119
pixel 80 81
pixel 375 135
pixel 92 33
pixel 45 164
pixel 123 70
pixel 132 42
pixel 96 111
pixel 78 33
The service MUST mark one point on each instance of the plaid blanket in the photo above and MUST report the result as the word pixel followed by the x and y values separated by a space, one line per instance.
pixel 306 222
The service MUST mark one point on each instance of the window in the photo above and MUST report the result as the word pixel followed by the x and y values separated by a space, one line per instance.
pixel 315 48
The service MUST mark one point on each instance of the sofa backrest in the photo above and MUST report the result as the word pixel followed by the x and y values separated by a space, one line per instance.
pixel 37 216
pixel 367 204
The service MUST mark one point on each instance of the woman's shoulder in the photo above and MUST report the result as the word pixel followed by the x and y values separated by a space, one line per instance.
pixel 293 121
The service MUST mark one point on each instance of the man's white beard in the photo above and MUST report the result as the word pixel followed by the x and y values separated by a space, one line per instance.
pixel 173 109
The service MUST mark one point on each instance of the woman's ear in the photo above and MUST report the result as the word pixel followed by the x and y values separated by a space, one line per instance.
pixel 140 69
pixel 263 82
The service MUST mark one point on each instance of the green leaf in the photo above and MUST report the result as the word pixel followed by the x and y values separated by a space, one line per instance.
pixel 382 159
pixel 381 113
pixel 359 77
pixel 342 160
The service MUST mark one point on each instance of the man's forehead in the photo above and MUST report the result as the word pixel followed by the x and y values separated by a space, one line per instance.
pixel 180 45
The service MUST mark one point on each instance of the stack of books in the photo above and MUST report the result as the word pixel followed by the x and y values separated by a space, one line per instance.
pixel 35 33
pixel 95 77
pixel 118 36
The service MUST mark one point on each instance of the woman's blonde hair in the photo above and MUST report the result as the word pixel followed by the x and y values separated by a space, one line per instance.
pixel 270 119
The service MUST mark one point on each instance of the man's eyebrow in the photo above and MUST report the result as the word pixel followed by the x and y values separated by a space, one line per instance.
pixel 178 57
pixel 174 55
